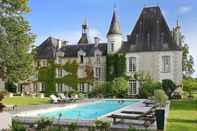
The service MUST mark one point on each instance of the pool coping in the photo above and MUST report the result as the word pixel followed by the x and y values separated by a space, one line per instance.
pixel 22 116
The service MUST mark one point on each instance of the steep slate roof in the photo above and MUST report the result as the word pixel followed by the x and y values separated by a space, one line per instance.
pixel 89 49
pixel 114 26
pixel 83 39
pixel 47 49
pixel 151 33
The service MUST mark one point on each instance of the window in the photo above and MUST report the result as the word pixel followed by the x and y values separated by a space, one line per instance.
pixel 44 87
pixel 132 87
pixel 44 62
pixel 98 73
pixel 35 89
pixel 132 64
pixel 98 60
pixel 166 64
pixel 82 87
pixel 59 87
pixel 59 73
pixel 59 60
pixel 112 47
pixel 81 59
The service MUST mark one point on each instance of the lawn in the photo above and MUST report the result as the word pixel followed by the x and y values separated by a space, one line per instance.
pixel 24 100
pixel 183 115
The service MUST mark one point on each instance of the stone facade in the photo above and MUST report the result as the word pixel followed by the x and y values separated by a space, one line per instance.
pixel 155 51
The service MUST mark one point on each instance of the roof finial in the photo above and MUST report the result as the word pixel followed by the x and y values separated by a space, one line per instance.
pixel 85 21
pixel 114 8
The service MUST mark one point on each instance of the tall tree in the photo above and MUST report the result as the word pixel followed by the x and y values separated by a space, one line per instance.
pixel 187 60
pixel 16 61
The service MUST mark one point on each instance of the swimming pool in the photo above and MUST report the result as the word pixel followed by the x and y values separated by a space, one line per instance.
pixel 90 111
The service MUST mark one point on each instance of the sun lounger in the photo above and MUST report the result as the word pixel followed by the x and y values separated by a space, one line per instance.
pixel 145 114
pixel 55 99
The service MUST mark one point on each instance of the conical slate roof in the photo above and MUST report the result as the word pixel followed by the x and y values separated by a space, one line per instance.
pixel 115 25
pixel 83 39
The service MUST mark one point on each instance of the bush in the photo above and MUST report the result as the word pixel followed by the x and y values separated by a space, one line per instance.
pixel 72 127
pixel 16 126
pixel 101 89
pixel 43 123
pixel 103 125
pixel 2 94
pixel 148 88
pixel 10 87
pixel 168 86
pixel 120 87
pixel 160 97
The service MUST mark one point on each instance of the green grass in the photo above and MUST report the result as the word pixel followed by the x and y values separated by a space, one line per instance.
pixel 24 100
pixel 183 115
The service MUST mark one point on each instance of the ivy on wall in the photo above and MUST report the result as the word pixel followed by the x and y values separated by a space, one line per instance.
pixel 116 66
pixel 47 75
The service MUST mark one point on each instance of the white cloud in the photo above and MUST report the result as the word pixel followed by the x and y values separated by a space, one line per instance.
pixel 184 9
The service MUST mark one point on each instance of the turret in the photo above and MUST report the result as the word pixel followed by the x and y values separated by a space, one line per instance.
pixel 84 36
pixel 177 36
pixel 114 35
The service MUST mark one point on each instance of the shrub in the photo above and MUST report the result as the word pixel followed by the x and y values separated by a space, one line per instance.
pixel 2 94
pixel 10 87
pixel 103 125
pixel 160 97
pixel 91 128
pixel 72 127
pixel 148 88
pixel 43 123
pixel 16 126
pixel 119 87
pixel 168 86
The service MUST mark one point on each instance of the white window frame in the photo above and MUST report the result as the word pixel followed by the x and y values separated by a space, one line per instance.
pixel 132 64
pixel 166 63
pixel 60 87
pixel 82 87
pixel 98 73
pixel 59 72
pixel 133 90
pixel 98 59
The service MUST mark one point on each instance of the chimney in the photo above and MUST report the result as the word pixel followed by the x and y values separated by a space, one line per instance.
pixel 96 40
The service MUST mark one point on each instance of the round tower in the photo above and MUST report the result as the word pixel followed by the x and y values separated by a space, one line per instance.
pixel 114 35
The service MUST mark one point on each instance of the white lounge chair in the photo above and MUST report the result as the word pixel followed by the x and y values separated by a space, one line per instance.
pixel 55 99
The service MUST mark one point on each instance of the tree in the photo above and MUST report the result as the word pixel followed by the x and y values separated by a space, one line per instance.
pixel 149 86
pixel 16 61
pixel 120 87
pixel 189 85
pixel 168 86
pixel 187 61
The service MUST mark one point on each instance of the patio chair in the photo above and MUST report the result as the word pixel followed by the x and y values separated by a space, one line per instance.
pixel 55 99
pixel 64 98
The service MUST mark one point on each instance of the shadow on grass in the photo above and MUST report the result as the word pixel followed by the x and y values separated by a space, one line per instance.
pixel 183 121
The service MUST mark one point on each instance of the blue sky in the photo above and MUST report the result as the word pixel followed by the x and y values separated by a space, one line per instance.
pixel 63 18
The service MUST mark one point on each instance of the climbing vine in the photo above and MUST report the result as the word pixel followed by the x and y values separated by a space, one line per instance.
pixel 116 66
pixel 47 75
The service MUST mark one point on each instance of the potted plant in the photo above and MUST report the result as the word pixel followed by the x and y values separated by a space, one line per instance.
pixel 161 99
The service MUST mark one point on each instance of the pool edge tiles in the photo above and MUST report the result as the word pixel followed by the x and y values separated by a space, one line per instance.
pixel 70 111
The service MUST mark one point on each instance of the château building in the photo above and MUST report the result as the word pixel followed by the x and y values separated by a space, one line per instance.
pixel 151 47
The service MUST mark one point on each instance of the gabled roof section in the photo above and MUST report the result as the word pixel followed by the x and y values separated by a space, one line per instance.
pixel 115 25
pixel 89 49
pixel 151 33
pixel 47 49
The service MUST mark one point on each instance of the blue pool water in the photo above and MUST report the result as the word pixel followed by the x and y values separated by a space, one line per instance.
pixel 90 111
